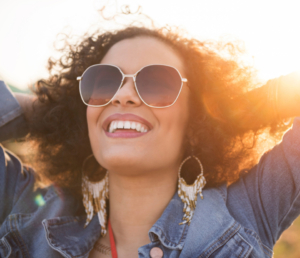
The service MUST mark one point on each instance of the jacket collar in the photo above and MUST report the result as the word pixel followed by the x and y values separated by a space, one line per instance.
pixel 68 236
pixel 167 229
pixel 211 225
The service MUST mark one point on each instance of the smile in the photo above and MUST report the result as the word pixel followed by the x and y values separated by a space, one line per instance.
pixel 126 126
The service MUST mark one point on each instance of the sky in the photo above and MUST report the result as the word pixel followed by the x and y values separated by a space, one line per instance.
pixel 269 30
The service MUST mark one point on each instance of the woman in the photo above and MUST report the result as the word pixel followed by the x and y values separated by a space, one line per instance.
pixel 150 100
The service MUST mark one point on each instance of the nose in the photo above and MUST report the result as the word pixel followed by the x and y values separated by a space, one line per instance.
pixel 127 95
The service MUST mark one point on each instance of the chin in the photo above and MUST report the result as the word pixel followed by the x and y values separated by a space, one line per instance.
pixel 125 162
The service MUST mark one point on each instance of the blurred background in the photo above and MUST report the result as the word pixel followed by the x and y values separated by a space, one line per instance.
pixel 268 30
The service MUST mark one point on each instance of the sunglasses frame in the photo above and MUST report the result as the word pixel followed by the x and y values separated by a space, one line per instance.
pixel 133 76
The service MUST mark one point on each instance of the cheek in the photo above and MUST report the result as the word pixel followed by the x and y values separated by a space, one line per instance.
pixel 90 116
pixel 169 144
pixel 173 122
pixel 182 117
pixel 93 116
pixel 181 111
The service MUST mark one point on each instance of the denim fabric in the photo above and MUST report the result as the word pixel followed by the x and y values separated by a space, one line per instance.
pixel 241 220
pixel 12 121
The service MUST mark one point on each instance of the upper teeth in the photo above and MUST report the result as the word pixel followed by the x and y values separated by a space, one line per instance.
pixel 114 125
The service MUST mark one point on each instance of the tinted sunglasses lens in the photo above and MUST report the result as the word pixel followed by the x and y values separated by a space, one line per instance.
pixel 158 85
pixel 99 84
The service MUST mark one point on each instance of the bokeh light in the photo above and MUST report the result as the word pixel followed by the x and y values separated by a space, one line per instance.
pixel 39 200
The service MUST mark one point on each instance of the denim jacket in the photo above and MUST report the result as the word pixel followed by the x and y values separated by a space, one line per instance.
pixel 243 219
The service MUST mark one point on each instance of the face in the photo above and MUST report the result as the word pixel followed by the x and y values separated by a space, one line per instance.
pixel 127 151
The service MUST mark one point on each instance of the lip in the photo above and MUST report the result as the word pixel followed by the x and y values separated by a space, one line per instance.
pixel 125 117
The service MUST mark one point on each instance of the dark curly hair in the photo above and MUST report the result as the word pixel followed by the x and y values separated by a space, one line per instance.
pixel 225 121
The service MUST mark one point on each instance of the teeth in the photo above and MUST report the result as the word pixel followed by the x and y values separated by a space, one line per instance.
pixel 120 125
pixel 111 127
pixel 138 127
pixel 127 125
pixel 133 125
pixel 114 125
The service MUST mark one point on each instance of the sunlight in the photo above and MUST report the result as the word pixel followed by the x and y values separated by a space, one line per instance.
pixel 29 28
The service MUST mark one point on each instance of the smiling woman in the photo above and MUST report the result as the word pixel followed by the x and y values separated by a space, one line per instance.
pixel 148 102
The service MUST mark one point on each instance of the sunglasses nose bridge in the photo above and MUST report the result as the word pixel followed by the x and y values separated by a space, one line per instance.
pixel 133 76
pixel 128 76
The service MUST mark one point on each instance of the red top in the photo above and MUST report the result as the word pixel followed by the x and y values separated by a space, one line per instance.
pixel 112 241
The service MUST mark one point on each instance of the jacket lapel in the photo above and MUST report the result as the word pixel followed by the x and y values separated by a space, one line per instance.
pixel 212 225
pixel 68 236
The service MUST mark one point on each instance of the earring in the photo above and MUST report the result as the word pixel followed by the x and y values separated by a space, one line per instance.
pixel 188 193
pixel 95 195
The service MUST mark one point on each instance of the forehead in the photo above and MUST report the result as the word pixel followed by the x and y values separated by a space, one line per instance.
pixel 134 53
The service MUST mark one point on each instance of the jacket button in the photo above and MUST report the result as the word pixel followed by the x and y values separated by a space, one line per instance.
pixel 156 252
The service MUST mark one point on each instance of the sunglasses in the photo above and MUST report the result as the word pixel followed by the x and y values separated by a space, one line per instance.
pixel 158 86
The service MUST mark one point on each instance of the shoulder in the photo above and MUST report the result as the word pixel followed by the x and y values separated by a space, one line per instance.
pixel 214 229
pixel 19 192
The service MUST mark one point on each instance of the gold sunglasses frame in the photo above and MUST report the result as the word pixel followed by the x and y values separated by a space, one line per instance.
pixel 133 76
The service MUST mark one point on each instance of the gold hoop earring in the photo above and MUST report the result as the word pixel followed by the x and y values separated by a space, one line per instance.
pixel 95 194
pixel 188 193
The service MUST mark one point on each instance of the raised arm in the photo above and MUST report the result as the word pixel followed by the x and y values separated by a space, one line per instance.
pixel 15 110
pixel 268 105
pixel 281 97
pixel 13 178
pixel 269 194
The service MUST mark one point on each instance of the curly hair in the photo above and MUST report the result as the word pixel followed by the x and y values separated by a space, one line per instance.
pixel 225 124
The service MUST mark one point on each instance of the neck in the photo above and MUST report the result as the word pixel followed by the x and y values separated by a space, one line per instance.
pixel 136 203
